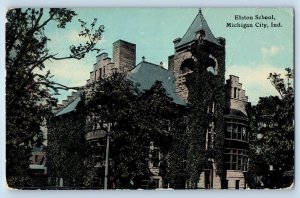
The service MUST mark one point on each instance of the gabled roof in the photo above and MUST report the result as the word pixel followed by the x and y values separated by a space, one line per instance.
pixel 70 107
pixel 198 24
pixel 145 74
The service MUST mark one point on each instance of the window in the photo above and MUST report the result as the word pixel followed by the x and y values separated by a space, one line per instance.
pixel 239 132
pixel 100 73
pixel 187 66
pixel 228 130
pixel 236 131
pixel 244 134
pixel 234 92
pixel 236 159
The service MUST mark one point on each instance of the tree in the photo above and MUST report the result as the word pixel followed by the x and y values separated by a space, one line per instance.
pixel 28 98
pixel 136 118
pixel 273 129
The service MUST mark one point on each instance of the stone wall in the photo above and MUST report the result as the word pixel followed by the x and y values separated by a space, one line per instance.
pixel 178 59
pixel 233 176
pixel 236 98
pixel 171 63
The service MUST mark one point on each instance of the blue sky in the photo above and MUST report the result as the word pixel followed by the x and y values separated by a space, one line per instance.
pixel 251 53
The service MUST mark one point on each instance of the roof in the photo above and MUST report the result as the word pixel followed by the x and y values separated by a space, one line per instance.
pixel 145 74
pixel 198 24
pixel 70 107
pixel 235 112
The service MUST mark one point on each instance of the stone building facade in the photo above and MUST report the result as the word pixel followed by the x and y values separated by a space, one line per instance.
pixel 180 64
pixel 236 133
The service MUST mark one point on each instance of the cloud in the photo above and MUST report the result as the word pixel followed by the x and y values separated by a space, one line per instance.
pixel 254 79
pixel 267 52
pixel 62 40
pixel 69 72
pixel 73 37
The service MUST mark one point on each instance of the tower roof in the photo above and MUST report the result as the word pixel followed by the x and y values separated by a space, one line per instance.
pixel 198 24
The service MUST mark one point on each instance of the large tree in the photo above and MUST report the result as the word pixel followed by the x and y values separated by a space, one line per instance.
pixel 28 98
pixel 272 123
pixel 136 119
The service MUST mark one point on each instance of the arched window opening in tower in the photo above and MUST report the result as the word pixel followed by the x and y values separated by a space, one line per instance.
pixel 212 65
pixel 187 66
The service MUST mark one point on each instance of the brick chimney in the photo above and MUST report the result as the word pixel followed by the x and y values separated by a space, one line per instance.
pixel 124 55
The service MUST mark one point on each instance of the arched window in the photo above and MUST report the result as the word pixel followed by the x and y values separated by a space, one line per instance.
pixel 212 65
pixel 187 65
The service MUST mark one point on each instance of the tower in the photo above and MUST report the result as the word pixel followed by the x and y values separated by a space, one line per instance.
pixel 198 65
pixel 183 60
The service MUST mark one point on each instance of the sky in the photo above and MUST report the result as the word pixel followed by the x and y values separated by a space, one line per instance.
pixel 251 53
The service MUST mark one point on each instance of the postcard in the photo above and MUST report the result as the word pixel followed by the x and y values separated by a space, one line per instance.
pixel 150 98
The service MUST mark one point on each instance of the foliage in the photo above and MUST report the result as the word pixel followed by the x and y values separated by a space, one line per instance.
pixel 136 120
pixel 67 147
pixel 176 170
pixel 28 100
pixel 205 94
pixel 272 121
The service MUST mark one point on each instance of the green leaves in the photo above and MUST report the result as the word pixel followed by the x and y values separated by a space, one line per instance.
pixel 67 147
pixel 272 123
pixel 137 119
pixel 28 99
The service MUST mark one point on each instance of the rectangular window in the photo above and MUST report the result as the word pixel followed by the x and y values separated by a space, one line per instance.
pixel 228 130
pixel 229 127
pixel 244 135
pixel 235 132
pixel 233 162
pixel 239 132
pixel 100 73
pixel 234 92
pixel 240 166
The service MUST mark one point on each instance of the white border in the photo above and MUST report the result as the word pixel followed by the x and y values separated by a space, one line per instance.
pixel 5 4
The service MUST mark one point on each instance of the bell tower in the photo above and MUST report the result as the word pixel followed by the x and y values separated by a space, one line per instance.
pixel 184 59
pixel 198 65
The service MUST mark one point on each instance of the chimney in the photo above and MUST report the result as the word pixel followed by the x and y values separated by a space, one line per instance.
pixel 124 55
